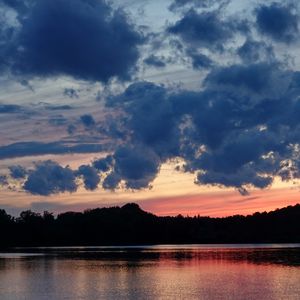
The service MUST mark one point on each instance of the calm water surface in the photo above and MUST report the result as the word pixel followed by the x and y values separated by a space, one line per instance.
pixel 152 272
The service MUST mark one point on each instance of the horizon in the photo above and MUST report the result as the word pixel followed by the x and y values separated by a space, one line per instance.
pixel 153 213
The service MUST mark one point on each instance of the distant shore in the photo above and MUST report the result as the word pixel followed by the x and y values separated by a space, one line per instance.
pixel 130 225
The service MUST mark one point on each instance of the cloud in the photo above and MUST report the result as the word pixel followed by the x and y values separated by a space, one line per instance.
pixel 255 51
pixel 87 120
pixel 17 172
pixel 240 130
pixel 71 129
pixel 50 178
pixel 206 29
pixel 254 77
pixel 111 181
pixel 244 177
pixel 38 148
pixel 10 109
pixel 155 61
pixel 200 61
pixel 85 39
pixel 136 165
pixel 90 176
pixel 150 118
pixel 3 180
pixel 103 164
pixel 279 22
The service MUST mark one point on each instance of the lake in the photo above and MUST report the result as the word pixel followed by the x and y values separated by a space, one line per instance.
pixel 266 271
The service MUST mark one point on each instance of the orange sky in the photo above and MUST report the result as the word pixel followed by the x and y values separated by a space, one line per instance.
pixel 173 193
pixel 222 204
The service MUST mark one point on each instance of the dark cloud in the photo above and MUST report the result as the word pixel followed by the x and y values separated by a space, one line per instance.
pixel 37 148
pixel 71 129
pixel 17 172
pixel 200 61
pixel 137 165
pixel 255 77
pixel 239 179
pixel 90 176
pixel 3 180
pixel 103 164
pixel 240 130
pixel 50 178
pixel 86 39
pixel 279 22
pixel 253 51
pixel 206 29
pixel 155 61
pixel 111 181
pixel 87 120
pixel 10 108
pixel 150 118
pixel 152 125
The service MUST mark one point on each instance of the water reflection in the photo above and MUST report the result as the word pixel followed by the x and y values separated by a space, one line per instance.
pixel 160 272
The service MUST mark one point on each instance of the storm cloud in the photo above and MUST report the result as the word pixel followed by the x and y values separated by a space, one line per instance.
pixel 137 166
pixel 90 176
pixel 280 22
pixel 255 51
pixel 87 120
pixel 17 172
pixel 206 29
pixel 3 180
pixel 240 130
pixel 10 109
pixel 85 39
pixel 200 61
pixel 48 178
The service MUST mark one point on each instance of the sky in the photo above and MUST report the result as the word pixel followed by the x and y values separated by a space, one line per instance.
pixel 184 107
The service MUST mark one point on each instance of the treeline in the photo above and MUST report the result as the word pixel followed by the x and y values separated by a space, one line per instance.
pixel 129 225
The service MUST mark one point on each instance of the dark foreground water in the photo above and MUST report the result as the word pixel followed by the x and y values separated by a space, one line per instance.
pixel 156 272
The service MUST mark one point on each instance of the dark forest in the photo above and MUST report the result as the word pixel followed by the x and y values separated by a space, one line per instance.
pixel 130 225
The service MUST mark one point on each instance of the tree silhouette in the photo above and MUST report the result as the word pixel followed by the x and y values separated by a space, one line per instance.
pixel 130 225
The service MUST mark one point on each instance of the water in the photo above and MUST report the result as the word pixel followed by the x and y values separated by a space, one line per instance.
pixel 153 272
